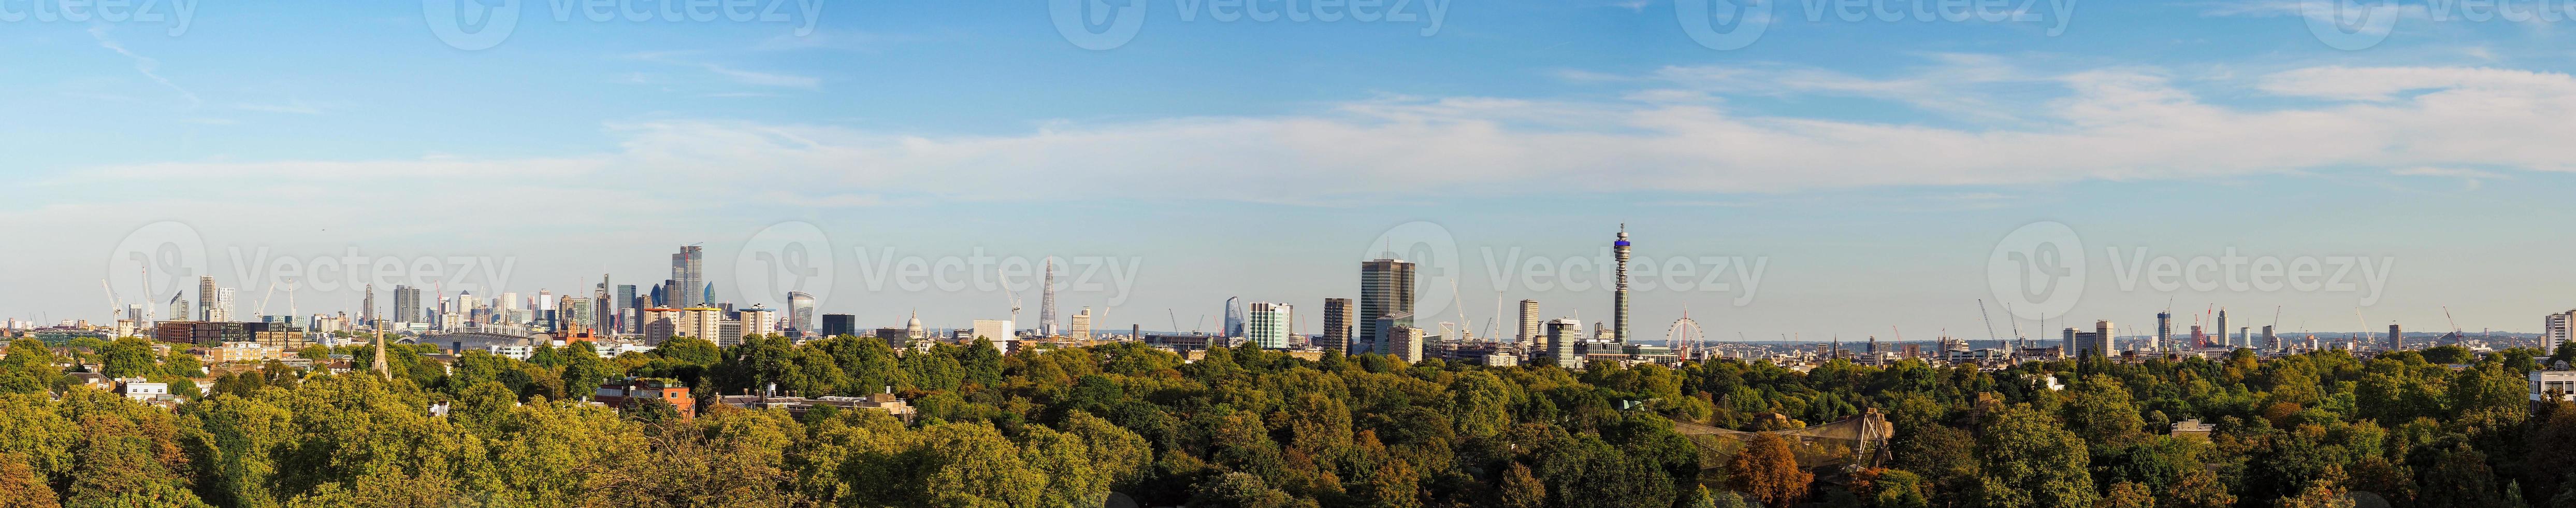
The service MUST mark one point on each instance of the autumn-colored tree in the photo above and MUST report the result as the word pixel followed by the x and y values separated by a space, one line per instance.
pixel 1768 471
pixel 1520 489
pixel 20 487
pixel 2128 495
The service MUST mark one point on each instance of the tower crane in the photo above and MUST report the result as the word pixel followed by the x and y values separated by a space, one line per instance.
pixel 115 306
pixel 262 313
pixel 1176 320
pixel 1990 320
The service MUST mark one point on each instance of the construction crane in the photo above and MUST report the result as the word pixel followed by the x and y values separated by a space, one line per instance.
pixel 1990 320
pixel 2456 335
pixel 115 306
pixel 1176 319
pixel 262 313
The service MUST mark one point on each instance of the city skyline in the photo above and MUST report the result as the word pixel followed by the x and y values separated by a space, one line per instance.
pixel 617 141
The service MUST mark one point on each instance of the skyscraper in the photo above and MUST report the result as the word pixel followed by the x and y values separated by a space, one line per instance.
pixel 1267 324
pixel 1530 333
pixel 2164 329
pixel 2222 329
pixel 1619 298
pixel 1080 329
pixel 1561 336
pixel 1386 289
pixel 800 312
pixel 1046 301
pixel 367 309
pixel 223 310
pixel 206 298
pixel 835 325
pixel 1234 316
pixel 178 307
pixel 2396 337
pixel 406 304
pixel 1337 325
pixel 687 272
pixel 628 310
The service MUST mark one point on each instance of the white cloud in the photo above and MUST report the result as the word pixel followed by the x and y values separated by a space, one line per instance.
pixel 2107 125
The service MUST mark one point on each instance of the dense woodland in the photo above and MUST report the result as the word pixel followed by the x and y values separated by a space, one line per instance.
pixel 1246 428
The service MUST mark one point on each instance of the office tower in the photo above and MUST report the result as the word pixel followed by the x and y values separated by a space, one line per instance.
pixel 206 298
pixel 2396 337
pixel 2222 329
pixel 800 312
pixel 708 295
pixel 1619 298
pixel 626 315
pixel 603 308
pixel 1081 327
pixel 367 309
pixel 759 320
pixel 578 315
pixel 2164 330
pixel 701 322
pixel 2101 338
pixel 1337 325
pixel 1046 301
pixel 223 304
pixel 1386 289
pixel 1266 324
pixel 406 304
pixel 134 312
pixel 178 307
pixel 1233 316
pixel 1407 342
pixel 2558 329
pixel 2245 337
pixel 835 325
pixel 2198 339
pixel 996 330
pixel 1561 335
pixel 2271 341
pixel 2068 342
pixel 687 270
pixel 1385 325
pixel 1530 333
pixel 661 294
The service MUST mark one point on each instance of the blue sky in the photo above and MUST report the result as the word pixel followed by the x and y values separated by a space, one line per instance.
pixel 1875 165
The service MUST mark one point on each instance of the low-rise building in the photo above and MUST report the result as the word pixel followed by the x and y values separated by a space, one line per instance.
pixel 2553 385
pixel 619 393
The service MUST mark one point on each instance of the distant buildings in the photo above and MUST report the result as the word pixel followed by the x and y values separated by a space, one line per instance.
pixel 688 278
pixel 1337 325
pixel 1267 324
pixel 835 325
pixel 1386 290
pixel 800 312
pixel 1080 327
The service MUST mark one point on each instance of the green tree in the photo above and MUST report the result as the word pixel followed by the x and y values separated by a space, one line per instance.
pixel 2030 462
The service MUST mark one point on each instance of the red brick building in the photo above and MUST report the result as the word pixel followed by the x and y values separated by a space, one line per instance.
pixel 617 393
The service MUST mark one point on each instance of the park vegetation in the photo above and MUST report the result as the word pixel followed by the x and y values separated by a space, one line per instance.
pixel 1065 428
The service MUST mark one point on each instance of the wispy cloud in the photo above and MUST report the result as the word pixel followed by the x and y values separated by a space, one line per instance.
pixel 150 67
pixel 765 78
pixel 291 106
